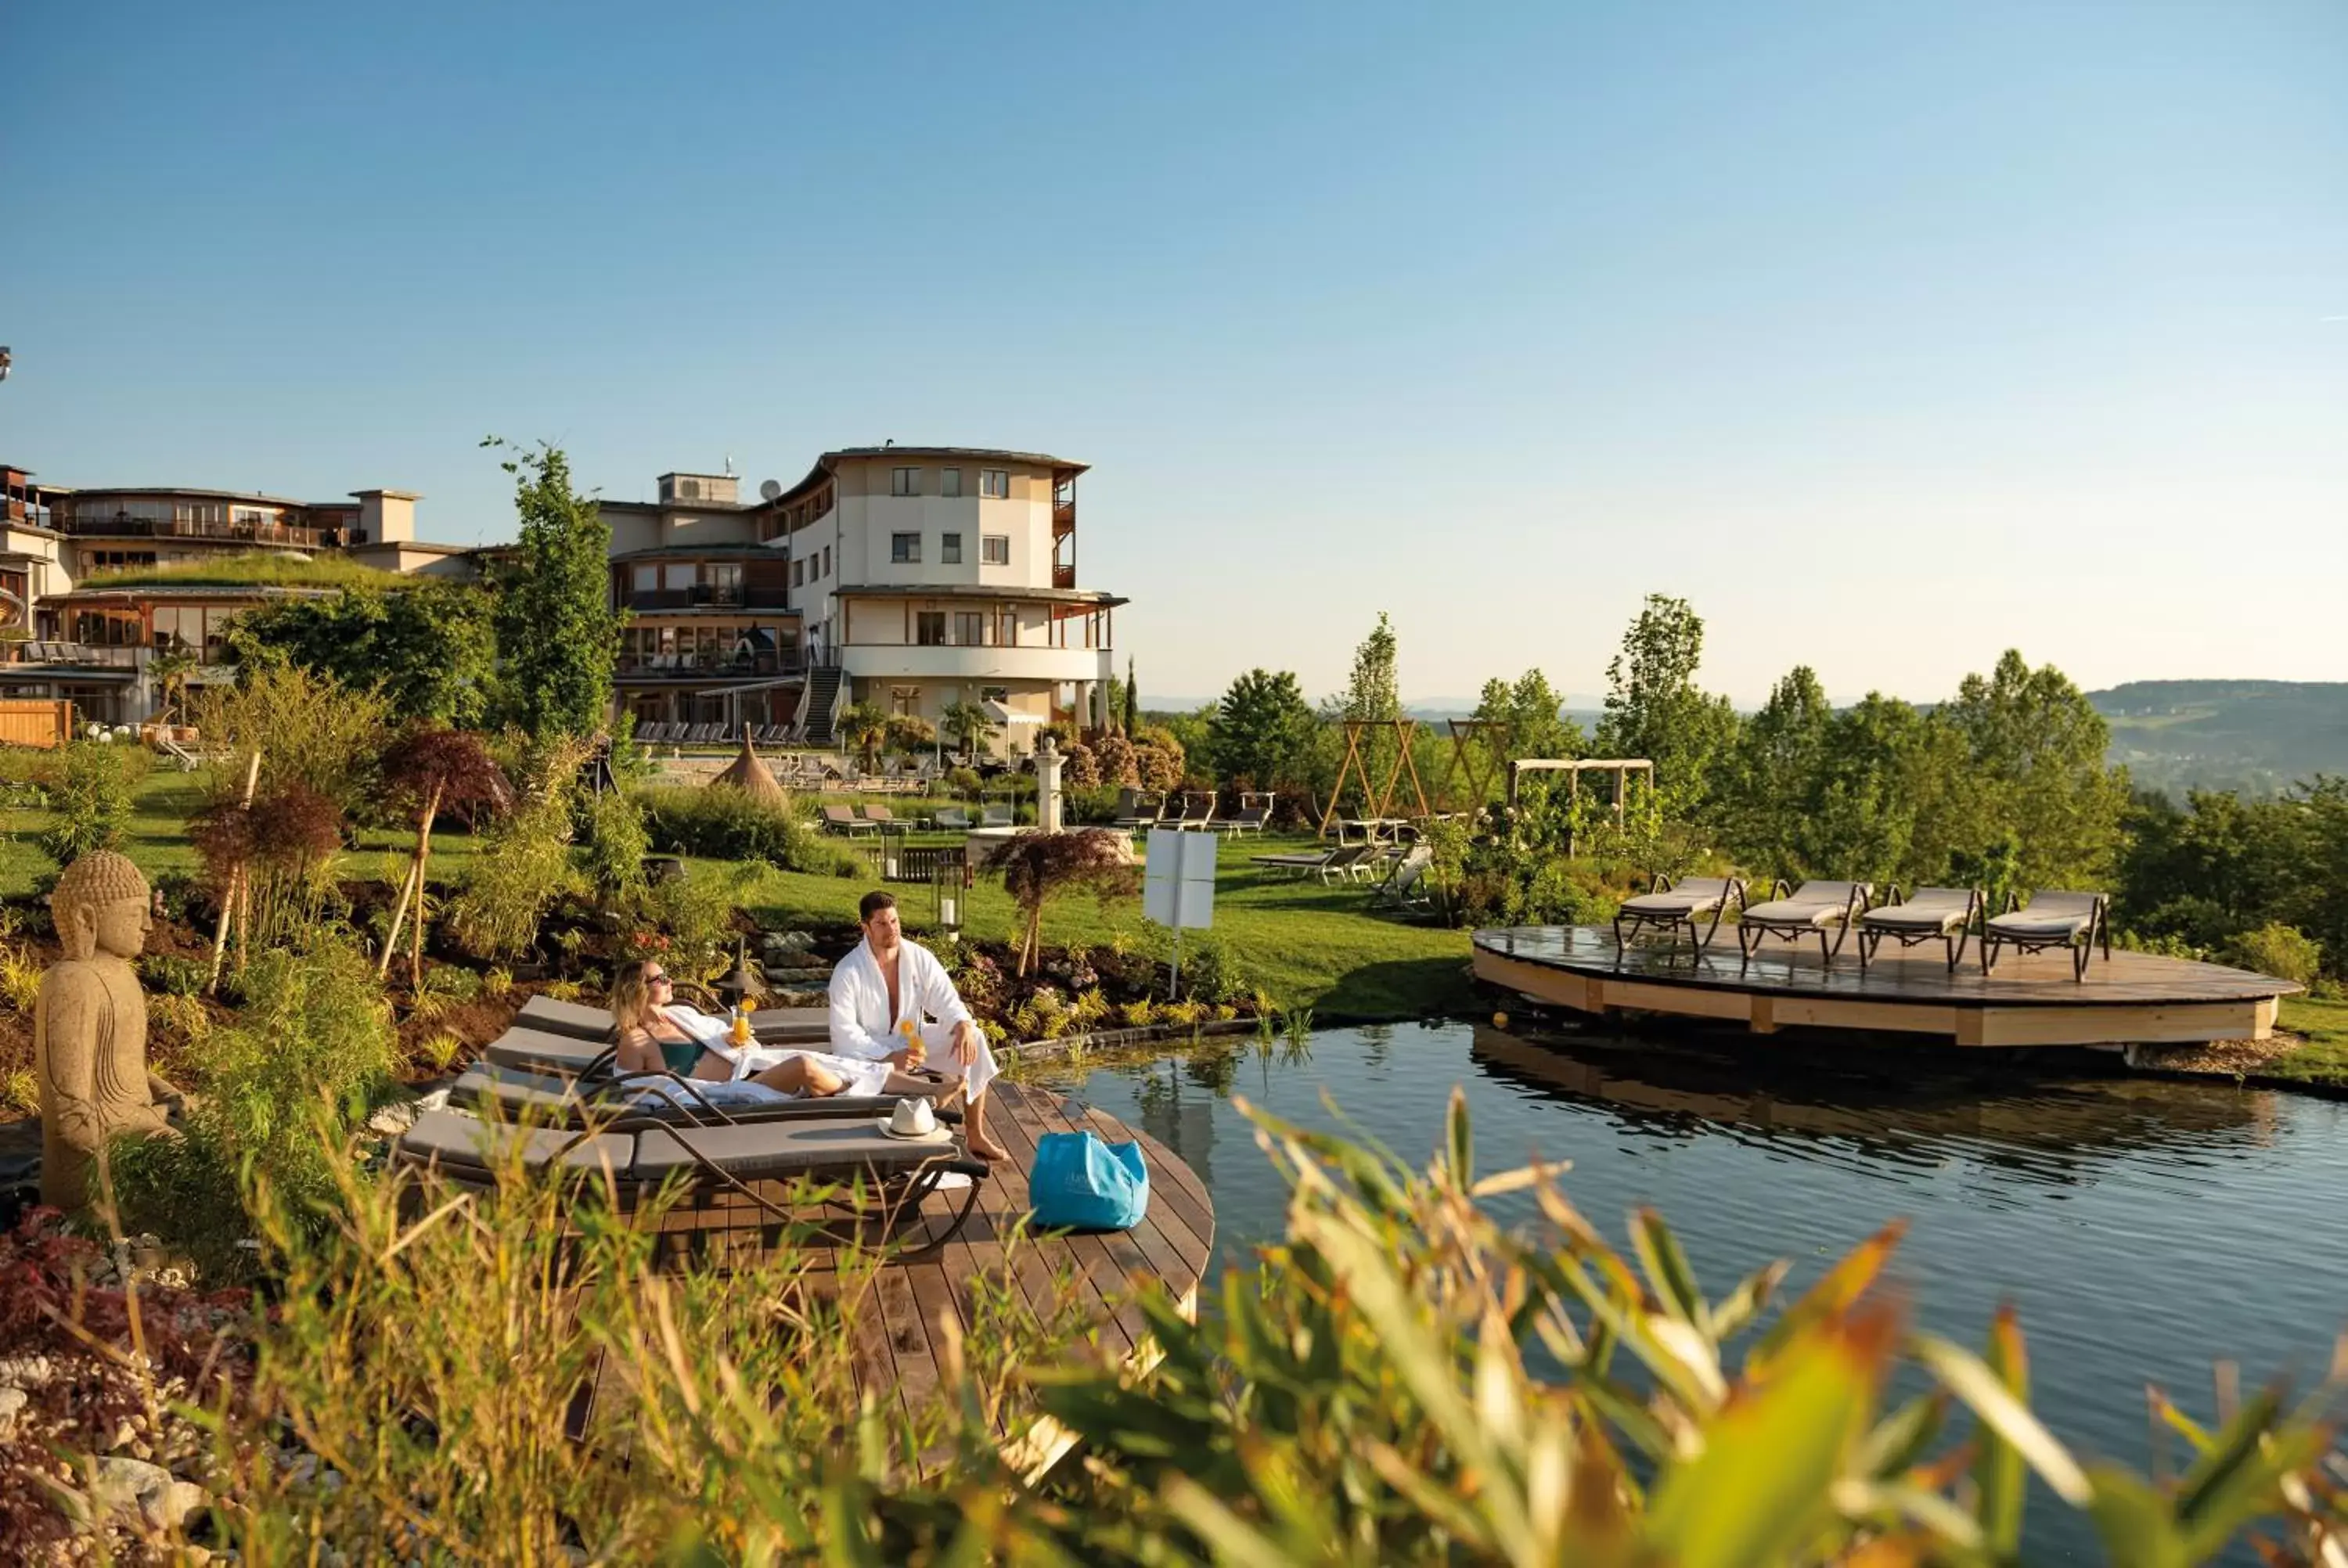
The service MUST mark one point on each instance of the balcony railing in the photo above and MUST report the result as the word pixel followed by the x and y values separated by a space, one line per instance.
pixel 236 533
pixel 94 655
pixel 1064 576
pixel 729 666
pixel 706 596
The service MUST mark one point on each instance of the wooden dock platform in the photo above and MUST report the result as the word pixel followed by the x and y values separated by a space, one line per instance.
pixel 2126 998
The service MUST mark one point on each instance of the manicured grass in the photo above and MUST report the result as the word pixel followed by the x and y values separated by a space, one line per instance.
pixel 2324 1058
pixel 1328 949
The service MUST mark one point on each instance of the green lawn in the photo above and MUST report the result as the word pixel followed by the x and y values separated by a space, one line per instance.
pixel 2324 1058
pixel 1308 946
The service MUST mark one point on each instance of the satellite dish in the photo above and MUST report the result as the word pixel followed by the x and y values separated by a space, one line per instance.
pixel 769 489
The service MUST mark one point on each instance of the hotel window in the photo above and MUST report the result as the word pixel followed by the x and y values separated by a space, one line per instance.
pixel 929 628
pixel 905 701
pixel 994 549
pixel 904 481
pixel 647 579
pixel 950 482
pixel 798 573
pixel 995 483
pixel 905 548
pixel 723 581
pixel 827 560
pixel 949 549
pixel 970 628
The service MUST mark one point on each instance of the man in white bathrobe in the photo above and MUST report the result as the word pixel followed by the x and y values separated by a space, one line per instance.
pixel 888 983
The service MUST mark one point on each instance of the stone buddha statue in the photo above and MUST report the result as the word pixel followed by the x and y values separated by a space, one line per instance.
pixel 89 1027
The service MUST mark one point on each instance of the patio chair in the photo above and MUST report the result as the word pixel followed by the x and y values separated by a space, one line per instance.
pixel 1811 909
pixel 994 816
pixel 1669 905
pixel 580 1020
pixel 2079 921
pixel 950 819
pixel 841 819
pixel 882 818
pixel 634 1156
pixel 1946 915
pixel 1405 885
pixel 1255 811
pixel 1138 808
pixel 512 1094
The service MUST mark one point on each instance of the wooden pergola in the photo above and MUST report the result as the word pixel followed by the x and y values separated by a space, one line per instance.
pixel 1573 768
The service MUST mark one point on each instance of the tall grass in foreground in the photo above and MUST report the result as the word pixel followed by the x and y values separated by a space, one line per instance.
pixel 1362 1398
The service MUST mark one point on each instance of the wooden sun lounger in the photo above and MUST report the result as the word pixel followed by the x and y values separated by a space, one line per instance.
pixel 1946 915
pixel 1669 905
pixel 545 1100
pixel 2079 921
pixel 580 1020
pixel 635 1156
pixel 1810 908
pixel 840 819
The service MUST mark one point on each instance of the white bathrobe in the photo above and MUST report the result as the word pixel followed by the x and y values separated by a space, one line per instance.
pixel 862 1026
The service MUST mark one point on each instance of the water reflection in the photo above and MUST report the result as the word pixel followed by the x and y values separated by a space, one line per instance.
pixel 1920 1115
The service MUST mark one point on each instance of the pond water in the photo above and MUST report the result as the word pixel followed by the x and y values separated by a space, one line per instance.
pixel 2143 1228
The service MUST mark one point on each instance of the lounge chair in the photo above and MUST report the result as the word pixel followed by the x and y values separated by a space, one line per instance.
pixel 1295 863
pixel 1669 905
pixel 1255 811
pixel 1811 909
pixel 580 1020
pixel 950 819
pixel 1198 811
pixel 548 1099
pixel 2079 921
pixel 635 1156
pixel 841 819
pixel 880 817
pixel 1138 808
pixel 994 816
pixel 1945 915
pixel 1405 885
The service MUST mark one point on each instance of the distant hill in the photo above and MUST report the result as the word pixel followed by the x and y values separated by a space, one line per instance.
pixel 2256 736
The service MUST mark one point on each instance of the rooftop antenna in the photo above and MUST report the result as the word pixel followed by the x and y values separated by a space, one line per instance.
pixel 729 465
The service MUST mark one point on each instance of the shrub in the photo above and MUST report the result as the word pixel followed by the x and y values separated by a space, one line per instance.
pixel 696 915
pixel 2283 951
pixel 1115 758
pixel 1082 769
pixel 285 843
pixel 1157 767
pixel 168 974
pixel 726 824
pixel 278 1090
pixel 523 867
pixel 1039 866
pixel 90 788
pixel 614 845
pixel 20 978
pixel 307 726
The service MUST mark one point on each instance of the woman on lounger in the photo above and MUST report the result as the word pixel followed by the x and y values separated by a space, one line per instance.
pixel 656 1034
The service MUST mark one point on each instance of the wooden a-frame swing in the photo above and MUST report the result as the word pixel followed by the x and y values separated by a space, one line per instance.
pixel 1380 805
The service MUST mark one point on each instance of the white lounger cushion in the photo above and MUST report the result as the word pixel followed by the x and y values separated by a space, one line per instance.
pixel 1927 909
pixel 1696 895
pixel 1813 903
pixel 2049 915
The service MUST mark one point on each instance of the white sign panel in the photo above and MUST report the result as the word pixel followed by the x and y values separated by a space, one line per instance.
pixel 1177 887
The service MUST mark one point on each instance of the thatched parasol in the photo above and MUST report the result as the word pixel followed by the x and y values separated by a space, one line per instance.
pixel 746 772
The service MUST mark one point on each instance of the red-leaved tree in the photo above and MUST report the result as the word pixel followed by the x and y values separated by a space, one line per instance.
pixel 1039 866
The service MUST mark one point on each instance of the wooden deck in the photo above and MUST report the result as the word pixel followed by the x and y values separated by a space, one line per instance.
pixel 902 1348
pixel 2130 998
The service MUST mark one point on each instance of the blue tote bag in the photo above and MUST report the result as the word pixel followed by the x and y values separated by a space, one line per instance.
pixel 1080 1183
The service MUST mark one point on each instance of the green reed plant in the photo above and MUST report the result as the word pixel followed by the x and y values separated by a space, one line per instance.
pixel 88 786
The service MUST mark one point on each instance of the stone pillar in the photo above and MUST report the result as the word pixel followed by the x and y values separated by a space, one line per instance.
pixel 1048 763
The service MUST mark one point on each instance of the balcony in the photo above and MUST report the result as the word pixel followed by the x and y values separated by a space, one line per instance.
pixel 87 655
pixel 706 596
pixel 127 528
pixel 711 666
pixel 1063 518
pixel 1063 575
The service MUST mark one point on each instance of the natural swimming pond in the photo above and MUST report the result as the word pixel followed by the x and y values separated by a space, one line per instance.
pixel 2144 1228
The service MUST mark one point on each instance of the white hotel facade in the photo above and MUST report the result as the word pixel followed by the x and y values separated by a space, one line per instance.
pixel 924 576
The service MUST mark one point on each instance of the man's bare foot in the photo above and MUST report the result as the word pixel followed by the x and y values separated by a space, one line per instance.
pixel 986 1148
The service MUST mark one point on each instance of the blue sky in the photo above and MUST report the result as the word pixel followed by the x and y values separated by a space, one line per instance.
pixel 1890 336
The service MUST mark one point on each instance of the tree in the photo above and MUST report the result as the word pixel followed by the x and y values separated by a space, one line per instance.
pixel 432 769
pixel 1132 697
pixel 1040 867
pixel 968 725
pixel 865 726
pixel 911 733
pixel 1373 691
pixel 2038 758
pixel 430 647
pixel 1768 801
pixel 1653 708
pixel 557 632
pixel 1262 730
pixel 1529 720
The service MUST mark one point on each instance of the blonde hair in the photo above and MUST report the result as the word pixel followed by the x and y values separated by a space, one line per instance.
pixel 632 998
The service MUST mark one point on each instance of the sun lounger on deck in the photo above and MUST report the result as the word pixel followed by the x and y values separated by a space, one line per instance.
pixel 1813 908
pixel 1945 915
pixel 637 1156
pixel 2079 921
pixel 1669 905
pixel 546 1100
pixel 771 1026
